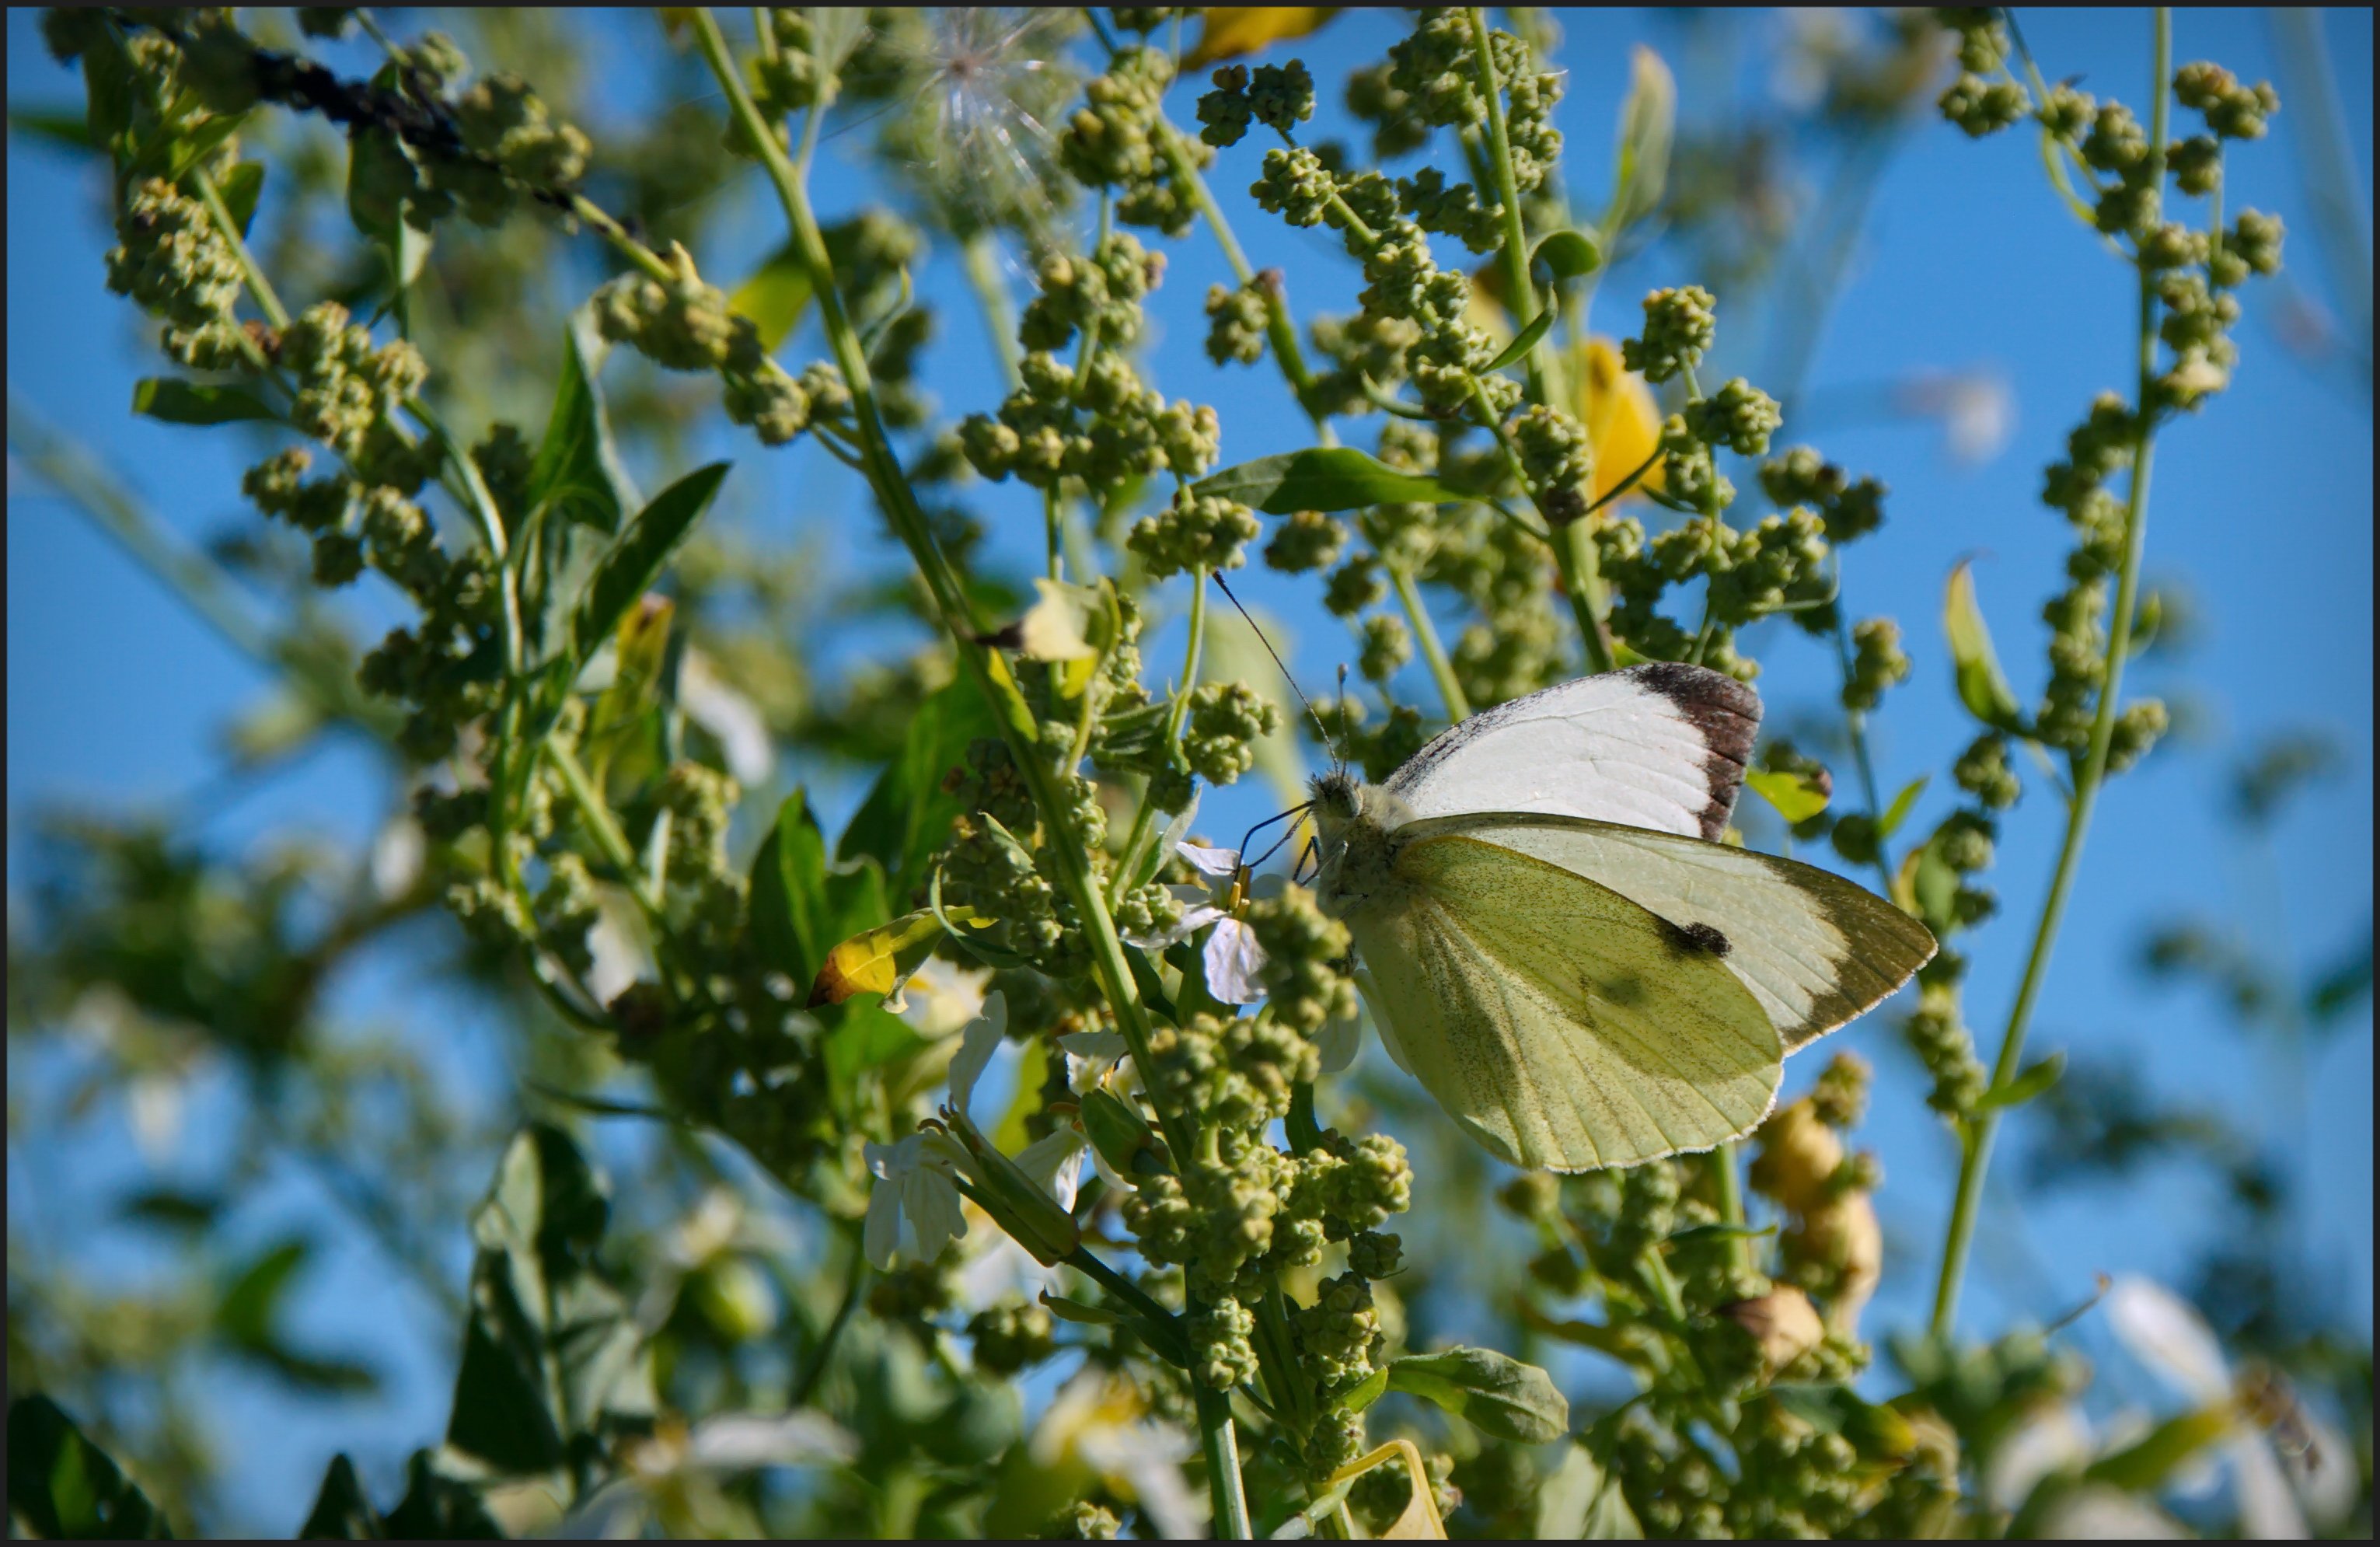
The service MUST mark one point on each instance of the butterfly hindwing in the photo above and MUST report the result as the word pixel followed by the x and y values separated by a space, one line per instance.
pixel 1661 746
pixel 1815 950
pixel 1563 1026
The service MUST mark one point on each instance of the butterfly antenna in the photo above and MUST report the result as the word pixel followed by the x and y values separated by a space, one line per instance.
pixel 1323 730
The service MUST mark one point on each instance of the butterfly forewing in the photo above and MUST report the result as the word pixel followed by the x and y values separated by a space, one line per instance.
pixel 1563 1026
pixel 1660 746
pixel 1814 949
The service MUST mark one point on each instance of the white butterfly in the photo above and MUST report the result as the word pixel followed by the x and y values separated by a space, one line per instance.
pixel 1553 942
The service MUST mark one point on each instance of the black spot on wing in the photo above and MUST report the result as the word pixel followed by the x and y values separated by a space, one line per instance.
pixel 1726 714
pixel 1700 939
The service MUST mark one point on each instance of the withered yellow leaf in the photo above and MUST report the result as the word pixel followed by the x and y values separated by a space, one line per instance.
pixel 1229 32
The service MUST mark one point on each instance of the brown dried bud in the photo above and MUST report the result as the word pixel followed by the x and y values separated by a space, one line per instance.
pixel 1783 1322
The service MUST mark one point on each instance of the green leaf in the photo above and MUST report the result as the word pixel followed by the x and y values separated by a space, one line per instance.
pixel 173 1208
pixel 1692 1233
pixel 1933 888
pixel 1522 342
pixel 2144 1466
pixel 439 1508
pixel 1902 804
pixel 870 1038
pixel 1365 1392
pixel 552 1357
pixel 172 400
pixel 1568 255
pixel 1152 987
pixel 1497 1393
pixel 342 1511
pixel 907 815
pixel 576 474
pixel 1983 687
pixel 1077 1311
pixel 801 908
pixel 1582 1501
pixel 2030 1082
pixel 644 550
pixel 1877 1432
pixel 241 187
pixel 69 130
pixel 1796 796
pixel 1648 117
pixel 61 1485
pixel 249 1308
pixel 774 296
pixel 1323 478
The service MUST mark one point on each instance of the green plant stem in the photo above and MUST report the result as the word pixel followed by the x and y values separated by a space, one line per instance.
pixel 611 231
pixel 854 1274
pixel 980 257
pixel 1145 818
pixel 988 672
pixel 1976 1147
pixel 1521 297
pixel 1219 1440
pixel 1441 670
pixel 602 824
pixel 1730 1185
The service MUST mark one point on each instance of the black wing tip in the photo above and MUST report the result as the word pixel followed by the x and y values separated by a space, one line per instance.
pixel 1726 714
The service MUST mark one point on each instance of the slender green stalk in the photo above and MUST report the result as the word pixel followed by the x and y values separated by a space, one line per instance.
pixel 1723 1170
pixel 1441 670
pixel 1521 297
pixel 980 257
pixel 823 1354
pixel 1145 818
pixel 1977 1149
pixel 1219 1440
pixel 602 824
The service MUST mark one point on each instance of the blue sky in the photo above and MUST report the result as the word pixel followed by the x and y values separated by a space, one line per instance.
pixel 2261 513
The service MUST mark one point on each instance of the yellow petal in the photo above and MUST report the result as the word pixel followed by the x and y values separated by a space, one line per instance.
pixel 1617 409
pixel 1229 32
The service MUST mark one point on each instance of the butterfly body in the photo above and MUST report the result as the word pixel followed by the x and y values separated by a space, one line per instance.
pixel 1553 942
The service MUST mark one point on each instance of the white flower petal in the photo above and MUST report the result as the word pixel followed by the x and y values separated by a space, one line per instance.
pixel 1220 863
pixel 1054 1161
pixel 727 715
pixel 1339 1042
pixel 2054 1440
pixel 2168 1336
pixel 931 1201
pixel 881 1238
pixel 2268 1509
pixel 1108 1045
pixel 746 1441
pixel 977 1044
pixel 1234 959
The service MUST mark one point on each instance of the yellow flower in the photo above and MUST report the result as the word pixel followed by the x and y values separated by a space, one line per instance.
pixel 1617 409
pixel 1229 32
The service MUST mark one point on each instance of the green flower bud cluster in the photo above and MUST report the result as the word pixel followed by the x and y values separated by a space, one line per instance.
pixel 1085 1520
pixel 1101 294
pixel 1840 1098
pixel 1453 211
pixel 2233 110
pixel 1010 1336
pixel 1740 416
pixel 503 120
pixel 1038 437
pixel 1983 771
pixel 1436 73
pixel 1877 662
pixel 1004 877
pixel 1305 950
pixel 1380 1495
pixel 1237 320
pixel 1296 186
pixel 1984 108
pixel 1339 1332
pixel 1225 721
pixel 1112 141
pixel 1374 97
pixel 1559 459
pixel 1222 1355
pixel 347 391
pixel 1938 1035
pixel 1278 96
pixel 1679 326
pixel 1387 645
pixel 1376 1254
pixel 1308 539
pixel 1367 347
pixel 785 79
pixel 568 905
pixel 171 261
pixel 1196 531
pixel 685 325
pixel 1799 475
